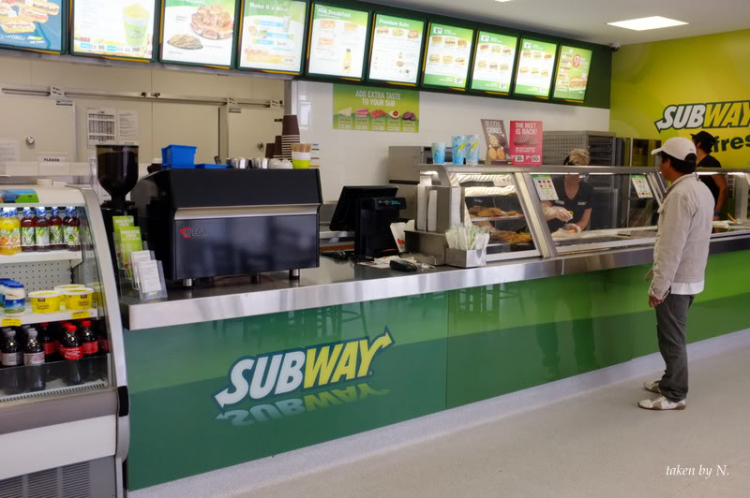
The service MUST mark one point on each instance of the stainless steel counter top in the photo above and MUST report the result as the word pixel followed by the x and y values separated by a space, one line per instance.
pixel 336 283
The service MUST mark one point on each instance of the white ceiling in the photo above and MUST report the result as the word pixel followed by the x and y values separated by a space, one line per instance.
pixel 587 19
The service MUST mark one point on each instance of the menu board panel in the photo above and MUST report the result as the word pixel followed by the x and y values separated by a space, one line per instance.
pixel 448 56
pixel 535 66
pixel 198 31
pixel 273 34
pixel 493 63
pixel 572 73
pixel 33 25
pixel 396 49
pixel 115 28
pixel 337 42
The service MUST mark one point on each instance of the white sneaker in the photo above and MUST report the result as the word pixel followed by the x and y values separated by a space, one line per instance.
pixel 652 386
pixel 662 403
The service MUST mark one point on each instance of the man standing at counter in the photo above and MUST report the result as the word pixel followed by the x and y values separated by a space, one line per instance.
pixel 680 257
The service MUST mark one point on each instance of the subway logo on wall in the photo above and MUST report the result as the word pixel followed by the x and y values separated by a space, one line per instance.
pixel 714 115
pixel 278 373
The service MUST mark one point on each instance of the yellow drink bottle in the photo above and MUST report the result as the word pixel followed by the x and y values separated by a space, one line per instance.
pixel 15 237
pixel 6 232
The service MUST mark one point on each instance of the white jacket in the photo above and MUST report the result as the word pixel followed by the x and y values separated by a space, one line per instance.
pixel 682 242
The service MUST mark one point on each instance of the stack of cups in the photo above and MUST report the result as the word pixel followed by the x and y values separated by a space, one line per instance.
pixel 289 135
pixel 458 146
pixel 438 153
pixel 472 150
pixel 301 156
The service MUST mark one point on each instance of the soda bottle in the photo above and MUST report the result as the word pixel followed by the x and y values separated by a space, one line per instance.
pixel 50 343
pixel 90 346
pixel 42 230
pixel 101 333
pixel 28 231
pixel 10 379
pixel 11 354
pixel 56 235
pixel 6 233
pixel 71 353
pixel 72 227
pixel 33 359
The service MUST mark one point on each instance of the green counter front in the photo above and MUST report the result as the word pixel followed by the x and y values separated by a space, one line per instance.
pixel 335 371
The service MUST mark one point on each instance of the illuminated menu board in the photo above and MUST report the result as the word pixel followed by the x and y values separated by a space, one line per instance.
pixel 536 63
pixel 273 34
pixel 448 54
pixel 31 25
pixel 338 40
pixel 493 62
pixel 572 73
pixel 198 31
pixel 396 49
pixel 114 28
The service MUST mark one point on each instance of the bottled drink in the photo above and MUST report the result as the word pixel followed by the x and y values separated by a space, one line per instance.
pixel 56 235
pixel 71 352
pixel 101 332
pixel 10 379
pixel 6 233
pixel 90 346
pixel 33 359
pixel 28 231
pixel 15 237
pixel 50 343
pixel 72 227
pixel 11 354
pixel 42 230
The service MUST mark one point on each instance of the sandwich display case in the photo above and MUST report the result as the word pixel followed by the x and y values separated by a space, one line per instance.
pixel 64 424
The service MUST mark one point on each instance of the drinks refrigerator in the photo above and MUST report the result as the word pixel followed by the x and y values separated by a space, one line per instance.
pixel 64 426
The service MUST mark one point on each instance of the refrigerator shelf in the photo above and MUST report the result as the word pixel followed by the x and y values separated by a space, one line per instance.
pixel 41 257
pixel 30 318
pixel 57 387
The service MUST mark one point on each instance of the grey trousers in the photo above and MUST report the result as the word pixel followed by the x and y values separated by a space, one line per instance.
pixel 671 328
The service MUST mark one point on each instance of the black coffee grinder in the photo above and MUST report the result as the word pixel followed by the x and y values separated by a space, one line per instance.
pixel 117 171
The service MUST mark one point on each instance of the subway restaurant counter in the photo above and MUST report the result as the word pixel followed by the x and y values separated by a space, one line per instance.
pixel 237 373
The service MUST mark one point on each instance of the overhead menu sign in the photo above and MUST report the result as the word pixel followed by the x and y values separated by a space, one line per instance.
pixel 396 49
pixel 34 25
pixel 272 36
pixel 493 63
pixel 572 73
pixel 114 28
pixel 198 31
pixel 448 55
pixel 535 66
pixel 337 42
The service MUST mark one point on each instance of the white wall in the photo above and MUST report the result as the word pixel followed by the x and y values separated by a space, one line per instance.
pixel 361 157
pixel 159 123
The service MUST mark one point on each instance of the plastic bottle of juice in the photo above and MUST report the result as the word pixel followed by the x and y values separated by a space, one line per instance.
pixel 28 235
pixel 15 237
pixel 56 235
pixel 72 226
pixel 6 231
pixel 42 230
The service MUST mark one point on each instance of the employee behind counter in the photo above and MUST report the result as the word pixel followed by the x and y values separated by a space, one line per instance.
pixel 572 211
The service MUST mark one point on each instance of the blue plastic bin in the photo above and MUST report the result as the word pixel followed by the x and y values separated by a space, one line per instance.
pixel 178 155
pixel 211 166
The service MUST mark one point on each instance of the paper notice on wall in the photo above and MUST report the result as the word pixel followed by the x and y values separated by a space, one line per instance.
pixel 10 151
pixel 128 131
pixel 101 126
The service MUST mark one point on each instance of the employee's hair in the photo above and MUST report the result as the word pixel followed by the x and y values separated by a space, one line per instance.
pixel 685 167
pixel 706 144
pixel 578 157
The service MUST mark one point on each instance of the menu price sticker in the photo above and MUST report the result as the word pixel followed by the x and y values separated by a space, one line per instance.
pixel 545 188
pixel 641 186
pixel 364 108
pixel 396 49
pixel 536 64
pixel 526 143
pixel 572 73
pixel 448 54
pixel 80 315
pixel 493 63
pixel 198 31
pixel 273 33
pixel 115 28
pixel 10 322
pixel 31 25
pixel 337 41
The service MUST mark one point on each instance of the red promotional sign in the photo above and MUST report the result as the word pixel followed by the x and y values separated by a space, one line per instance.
pixel 526 143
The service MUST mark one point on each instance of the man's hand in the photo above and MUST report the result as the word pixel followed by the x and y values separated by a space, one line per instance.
pixel 653 302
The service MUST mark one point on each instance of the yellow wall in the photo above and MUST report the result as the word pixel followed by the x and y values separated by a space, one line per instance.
pixel 712 72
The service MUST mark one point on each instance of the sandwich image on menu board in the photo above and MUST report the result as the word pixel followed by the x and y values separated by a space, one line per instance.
pixel 337 42
pixel 493 63
pixel 396 49
pixel 115 28
pixel 198 31
pixel 448 50
pixel 273 32
pixel 572 74
pixel 31 24
pixel 536 64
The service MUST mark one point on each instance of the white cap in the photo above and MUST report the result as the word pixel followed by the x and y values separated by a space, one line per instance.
pixel 677 147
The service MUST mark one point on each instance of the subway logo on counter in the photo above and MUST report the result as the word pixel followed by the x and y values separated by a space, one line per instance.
pixel 274 374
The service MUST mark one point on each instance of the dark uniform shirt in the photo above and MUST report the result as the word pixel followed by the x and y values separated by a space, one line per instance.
pixel 578 205
pixel 711 162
